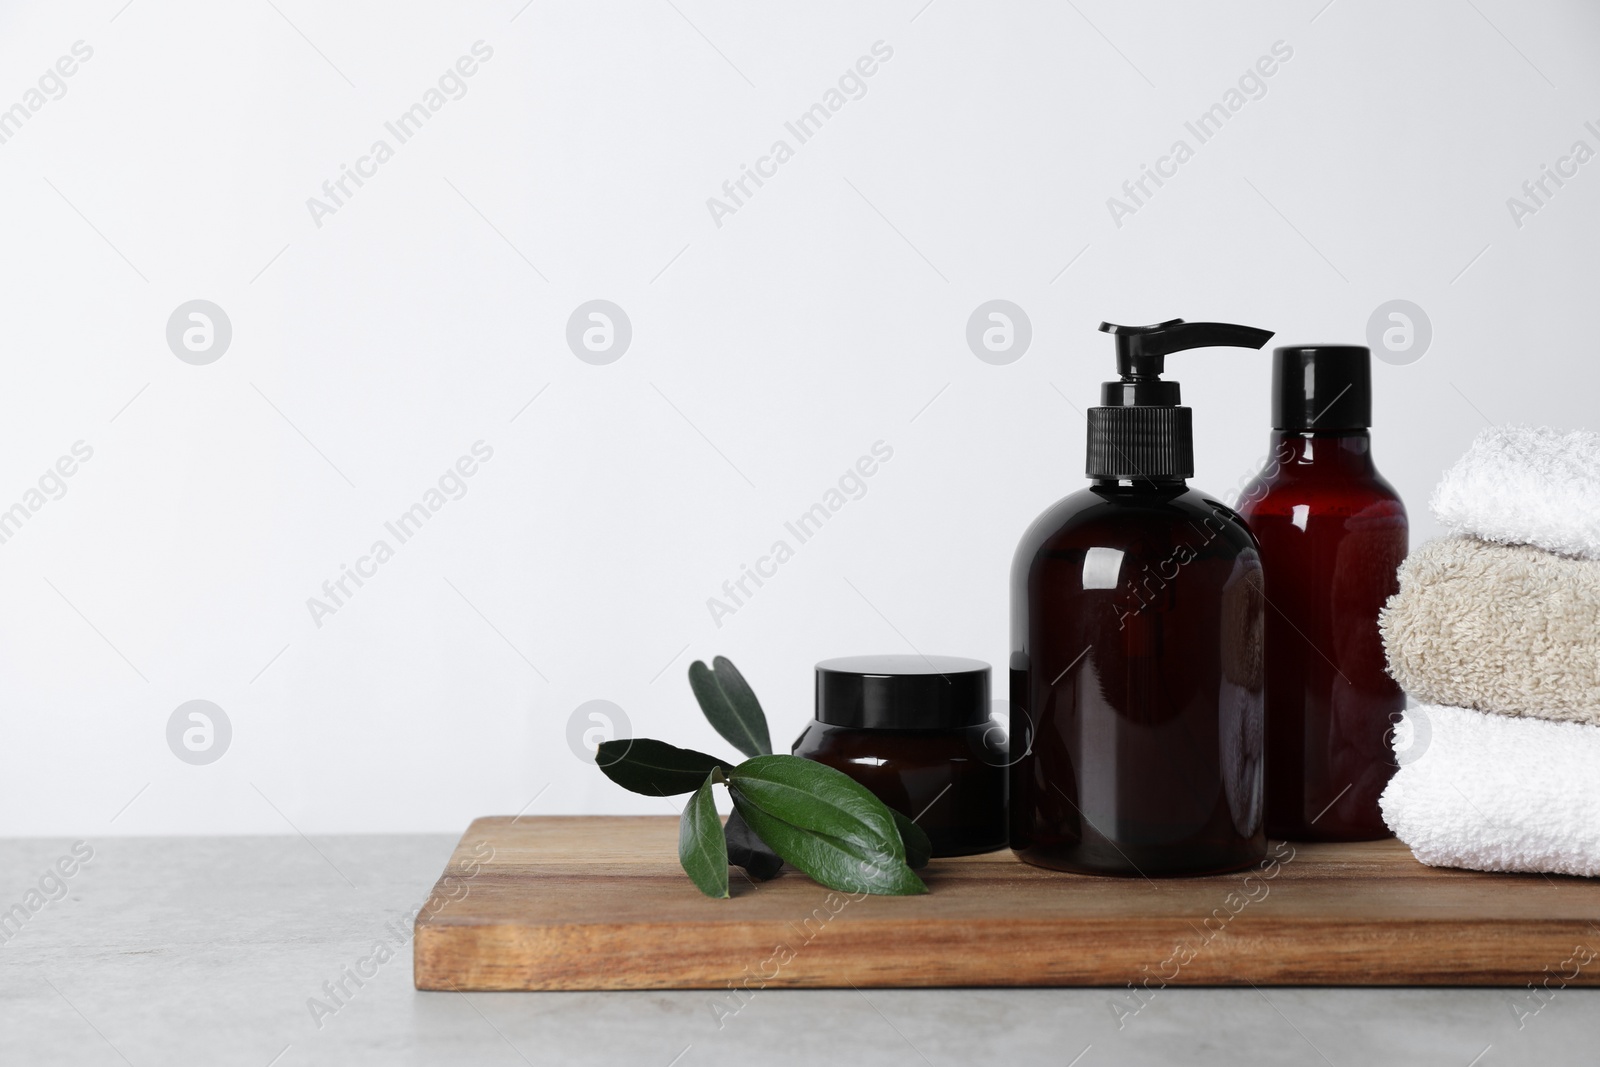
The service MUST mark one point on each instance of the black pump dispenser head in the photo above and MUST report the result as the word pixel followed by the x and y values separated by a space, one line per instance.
pixel 1140 430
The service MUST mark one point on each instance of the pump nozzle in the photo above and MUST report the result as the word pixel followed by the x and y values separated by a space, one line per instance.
pixel 1141 349
pixel 1141 429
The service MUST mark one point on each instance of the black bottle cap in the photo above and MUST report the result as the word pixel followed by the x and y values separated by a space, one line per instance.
pixel 903 692
pixel 1140 430
pixel 1321 387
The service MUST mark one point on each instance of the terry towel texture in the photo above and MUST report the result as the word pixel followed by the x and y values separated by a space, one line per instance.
pixel 1503 628
pixel 1496 794
pixel 1520 485
pixel 1503 618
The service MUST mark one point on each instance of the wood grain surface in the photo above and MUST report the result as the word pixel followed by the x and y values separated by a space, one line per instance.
pixel 599 902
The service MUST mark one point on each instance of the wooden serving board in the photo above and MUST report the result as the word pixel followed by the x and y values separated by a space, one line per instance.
pixel 600 903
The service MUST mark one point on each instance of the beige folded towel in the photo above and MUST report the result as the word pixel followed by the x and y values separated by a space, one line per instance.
pixel 1504 628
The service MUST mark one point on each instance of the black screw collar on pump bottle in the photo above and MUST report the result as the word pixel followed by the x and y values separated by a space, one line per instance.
pixel 1140 430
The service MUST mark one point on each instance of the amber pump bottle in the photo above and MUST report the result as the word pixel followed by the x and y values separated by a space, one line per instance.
pixel 1136 662
pixel 1136 645
pixel 1332 534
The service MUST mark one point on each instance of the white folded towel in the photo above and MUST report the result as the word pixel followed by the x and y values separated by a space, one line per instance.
pixel 1528 486
pixel 1491 793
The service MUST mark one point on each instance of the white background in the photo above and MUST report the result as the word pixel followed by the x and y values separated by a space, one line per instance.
pixel 767 354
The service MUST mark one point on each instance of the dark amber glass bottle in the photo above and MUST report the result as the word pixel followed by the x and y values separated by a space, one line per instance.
pixel 1333 533
pixel 1136 672
pixel 1137 684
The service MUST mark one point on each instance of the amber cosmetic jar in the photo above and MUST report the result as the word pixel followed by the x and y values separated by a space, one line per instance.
pixel 916 731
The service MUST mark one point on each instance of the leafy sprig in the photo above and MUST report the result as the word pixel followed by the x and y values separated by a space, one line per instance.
pixel 785 808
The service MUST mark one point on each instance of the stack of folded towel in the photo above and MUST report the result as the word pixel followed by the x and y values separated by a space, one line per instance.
pixel 1496 632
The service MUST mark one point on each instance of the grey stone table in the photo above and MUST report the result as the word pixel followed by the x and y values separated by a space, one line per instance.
pixel 224 951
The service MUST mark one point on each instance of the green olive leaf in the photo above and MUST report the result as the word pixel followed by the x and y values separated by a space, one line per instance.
pixel 838 864
pixel 744 702
pixel 730 706
pixel 918 848
pixel 812 796
pixel 747 850
pixel 655 768
pixel 786 809
pixel 701 848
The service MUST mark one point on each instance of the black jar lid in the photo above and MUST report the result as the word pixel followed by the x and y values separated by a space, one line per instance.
pixel 903 692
